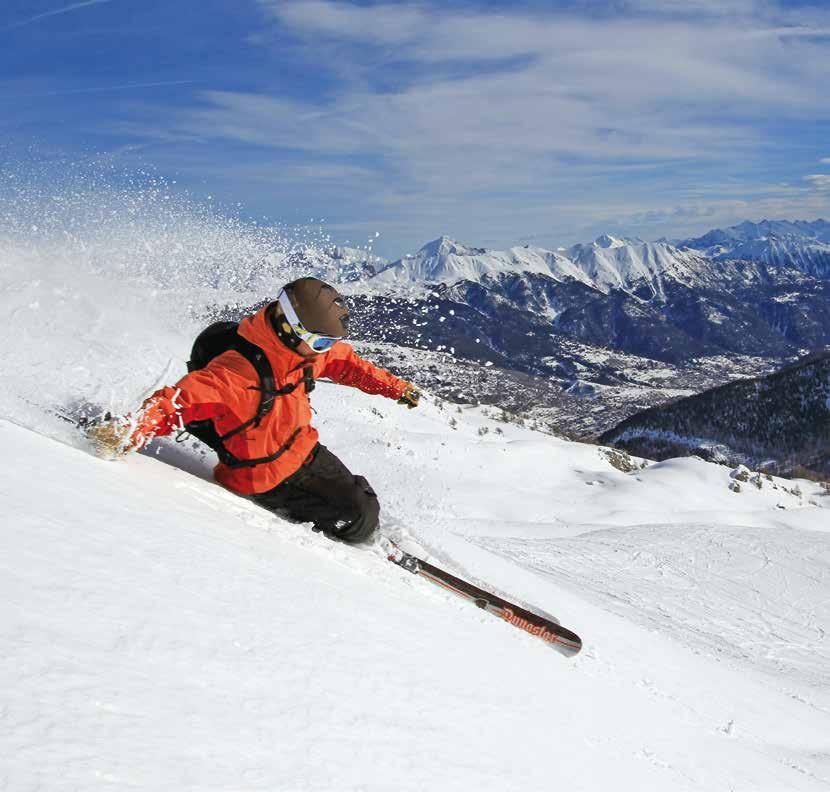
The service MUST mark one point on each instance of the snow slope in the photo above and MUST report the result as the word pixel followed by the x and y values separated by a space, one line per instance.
pixel 159 633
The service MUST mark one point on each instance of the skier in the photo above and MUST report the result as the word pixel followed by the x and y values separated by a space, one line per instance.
pixel 247 395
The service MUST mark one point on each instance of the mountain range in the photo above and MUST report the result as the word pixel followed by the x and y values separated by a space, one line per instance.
pixel 579 338
pixel 799 244
pixel 610 263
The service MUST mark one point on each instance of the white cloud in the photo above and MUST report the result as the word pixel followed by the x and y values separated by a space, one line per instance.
pixel 273 172
pixel 380 24
pixel 709 7
pixel 821 181
pixel 497 115
pixel 613 78
pixel 825 161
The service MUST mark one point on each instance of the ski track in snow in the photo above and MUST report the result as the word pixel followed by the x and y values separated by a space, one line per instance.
pixel 755 594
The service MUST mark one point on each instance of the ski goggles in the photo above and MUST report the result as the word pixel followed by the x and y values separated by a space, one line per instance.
pixel 317 341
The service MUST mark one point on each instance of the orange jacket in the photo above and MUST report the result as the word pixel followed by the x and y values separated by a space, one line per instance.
pixel 224 391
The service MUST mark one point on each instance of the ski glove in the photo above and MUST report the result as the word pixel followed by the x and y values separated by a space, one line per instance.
pixel 411 396
pixel 112 439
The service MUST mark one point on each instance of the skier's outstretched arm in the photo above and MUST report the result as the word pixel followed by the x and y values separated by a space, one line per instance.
pixel 346 367
pixel 200 395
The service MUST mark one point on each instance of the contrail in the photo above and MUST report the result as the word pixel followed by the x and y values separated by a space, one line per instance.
pixel 64 10
pixel 125 86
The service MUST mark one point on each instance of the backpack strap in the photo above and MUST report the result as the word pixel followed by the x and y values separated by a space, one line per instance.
pixel 223 336
pixel 268 393
pixel 231 461
pixel 256 356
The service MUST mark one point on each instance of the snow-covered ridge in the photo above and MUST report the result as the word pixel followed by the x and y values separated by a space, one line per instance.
pixel 606 263
pixel 623 263
pixel 799 244
pixel 626 264
pixel 818 231
pixel 446 261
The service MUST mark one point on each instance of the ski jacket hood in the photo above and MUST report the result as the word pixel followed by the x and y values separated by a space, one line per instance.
pixel 227 392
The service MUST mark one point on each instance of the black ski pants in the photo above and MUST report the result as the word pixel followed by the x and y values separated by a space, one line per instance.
pixel 324 492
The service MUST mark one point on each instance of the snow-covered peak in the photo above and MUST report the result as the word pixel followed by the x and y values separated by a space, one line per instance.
pixel 818 230
pixel 605 264
pixel 607 241
pixel 446 261
pixel 627 264
pixel 528 258
pixel 444 246
pixel 798 243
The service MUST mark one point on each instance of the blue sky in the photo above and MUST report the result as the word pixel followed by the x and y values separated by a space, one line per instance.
pixel 494 123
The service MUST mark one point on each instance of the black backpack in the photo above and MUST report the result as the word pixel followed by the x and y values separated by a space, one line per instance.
pixel 213 341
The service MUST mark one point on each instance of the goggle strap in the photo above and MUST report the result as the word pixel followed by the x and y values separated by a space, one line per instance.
pixel 285 333
pixel 292 326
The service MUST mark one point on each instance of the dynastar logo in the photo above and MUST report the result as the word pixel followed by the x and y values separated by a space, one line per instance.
pixel 524 624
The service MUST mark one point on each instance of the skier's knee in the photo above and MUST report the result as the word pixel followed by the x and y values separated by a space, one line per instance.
pixel 364 515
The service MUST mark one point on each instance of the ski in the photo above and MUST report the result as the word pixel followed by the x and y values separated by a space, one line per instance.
pixel 548 630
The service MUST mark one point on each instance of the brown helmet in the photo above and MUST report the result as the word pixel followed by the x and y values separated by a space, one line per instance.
pixel 320 307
